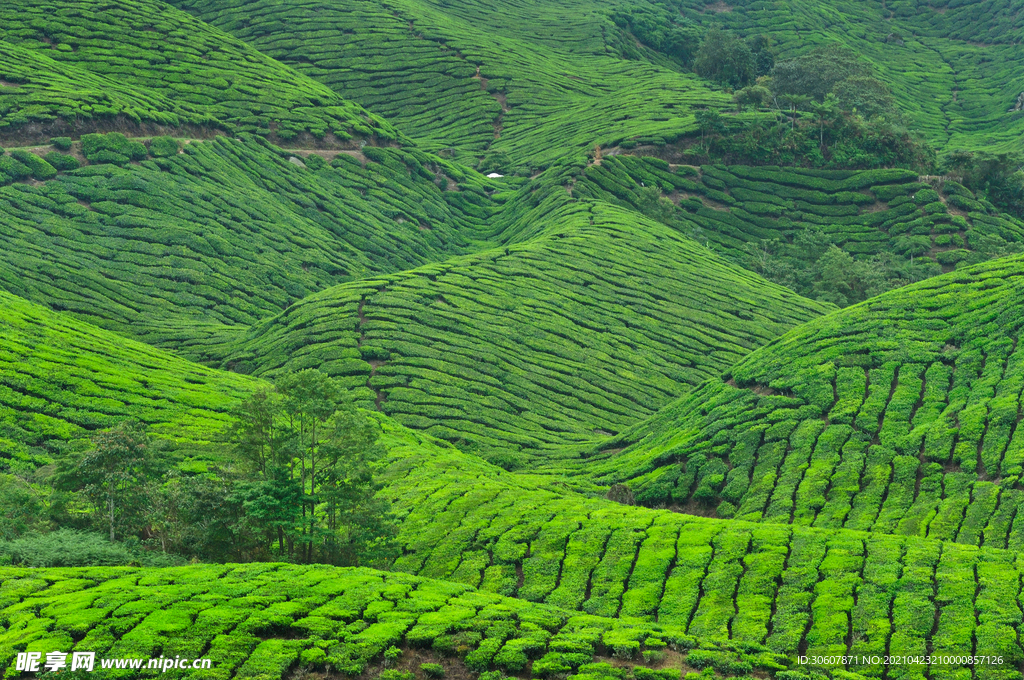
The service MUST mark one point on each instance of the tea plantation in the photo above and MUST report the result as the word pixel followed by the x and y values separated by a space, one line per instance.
pixel 61 378
pixel 949 64
pixel 631 410
pixel 863 212
pixel 259 620
pixel 530 82
pixel 145 63
pixel 898 415
pixel 813 591
pixel 223 234
pixel 600 318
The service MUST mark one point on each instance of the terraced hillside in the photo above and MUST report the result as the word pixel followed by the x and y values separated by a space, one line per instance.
pixel 818 592
pixel 598 318
pixel 898 415
pixel 61 378
pixel 534 81
pixel 556 70
pixel 87 66
pixel 262 620
pixel 949 64
pixel 730 208
pixel 228 232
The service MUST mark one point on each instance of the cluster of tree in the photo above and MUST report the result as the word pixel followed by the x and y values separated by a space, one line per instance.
pixel 816 267
pixel 300 486
pixel 665 32
pixel 996 177
pixel 825 137
pixel 727 59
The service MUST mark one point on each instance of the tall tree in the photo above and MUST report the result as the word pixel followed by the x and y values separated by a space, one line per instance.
pixel 115 469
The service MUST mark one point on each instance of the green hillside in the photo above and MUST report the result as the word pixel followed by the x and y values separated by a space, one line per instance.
pixel 898 415
pixel 558 71
pixel 550 79
pixel 95 67
pixel 596 320
pixel 863 212
pixel 226 233
pixel 260 620
pixel 818 592
pixel 61 379
pixel 663 376
pixel 949 64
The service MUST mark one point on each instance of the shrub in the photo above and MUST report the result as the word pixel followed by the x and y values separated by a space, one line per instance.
pixel 40 169
pixel 391 655
pixel 161 147
pixel 62 143
pixel 395 674
pixel 432 670
pixel 70 548
pixel 62 162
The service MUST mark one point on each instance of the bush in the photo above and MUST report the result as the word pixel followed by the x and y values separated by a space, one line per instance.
pixel 62 143
pixel 70 548
pixel 161 147
pixel 394 674
pixel 62 161
pixel 40 169
pixel 432 670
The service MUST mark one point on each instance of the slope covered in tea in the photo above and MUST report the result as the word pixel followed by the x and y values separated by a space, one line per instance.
pixel 897 415
pixel 225 233
pixel 595 319
pixel 531 81
pixel 264 620
pixel 146 63
pixel 820 592
pixel 61 379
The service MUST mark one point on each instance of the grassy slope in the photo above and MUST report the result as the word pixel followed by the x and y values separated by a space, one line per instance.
pixel 549 82
pixel 898 415
pixel 151 63
pixel 863 212
pixel 262 620
pixel 954 74
pixel 588 322
pixel 225 234
pixel 816 591
pixel 61 378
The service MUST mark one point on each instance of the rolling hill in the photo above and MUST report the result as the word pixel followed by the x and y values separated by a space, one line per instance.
pixel 865 213
pixel 89 67
pixel 897 415
pixel 61 379
pixel 532 81
pixel 824 592
pixel 613 444
pixel 227 232
pixel 587 325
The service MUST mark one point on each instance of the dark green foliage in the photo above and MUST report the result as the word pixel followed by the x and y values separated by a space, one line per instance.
pixel 726 59
pixel 62 143
pixel 659 30
pixel 837 236
pixel 68 548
